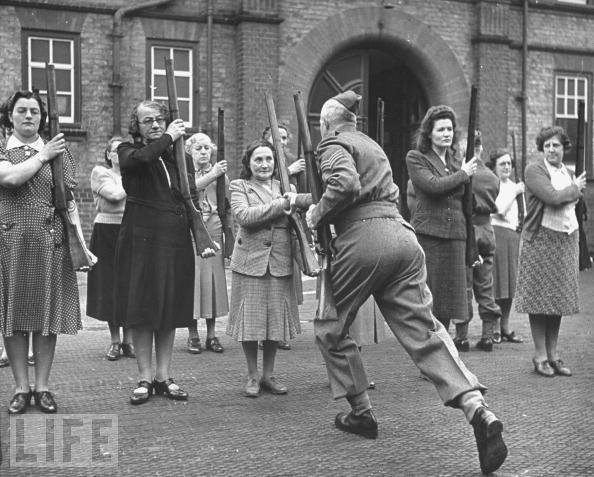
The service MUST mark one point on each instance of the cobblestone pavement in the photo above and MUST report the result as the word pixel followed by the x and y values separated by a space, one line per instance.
pixel 548 423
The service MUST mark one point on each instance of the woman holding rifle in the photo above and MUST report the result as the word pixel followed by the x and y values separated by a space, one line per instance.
pixel 154 254
pixel 547 285
pixel 507 236
pixel 210 290
pixel 438 180
pixel 263 300
pixel 39 289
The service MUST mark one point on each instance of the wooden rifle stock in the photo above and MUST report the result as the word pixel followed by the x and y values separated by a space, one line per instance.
pixel 202 239
pixel 82 259
pixel 581 211
pixel 380 122
pixel 228 236
pixel 520 197
pixel 326 304
pixel 307 256
pixel 472 256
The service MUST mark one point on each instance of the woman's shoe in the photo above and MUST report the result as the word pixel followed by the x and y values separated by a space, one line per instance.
pixel 252 388
pixel 273 386
pixel 19 402
pixel 170 389
pixel 284 345
pixel 511 337
pixel 128 350
pixel 496 338
pixel 559 368
pixel 213 345
pixel 543 368
pixel 44 400
pixel 31 360
pixel 113 353
pixel 194 346
pixel 4 362
pixel 142 393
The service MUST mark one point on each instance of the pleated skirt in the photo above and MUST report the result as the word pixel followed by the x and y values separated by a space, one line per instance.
pixel 446 276
pixel 263 308
pixel 505 263
pixel 548 274
pixel 100 281
pixel 210 290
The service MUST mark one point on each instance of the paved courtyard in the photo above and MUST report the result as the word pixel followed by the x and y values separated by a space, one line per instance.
pixel 548 423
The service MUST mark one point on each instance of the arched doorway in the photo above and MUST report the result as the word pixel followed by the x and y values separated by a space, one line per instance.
pixel 374 73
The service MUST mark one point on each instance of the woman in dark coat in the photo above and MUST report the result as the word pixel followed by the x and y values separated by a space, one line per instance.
pixel 154 255
pixel 438 180
pixel 548 285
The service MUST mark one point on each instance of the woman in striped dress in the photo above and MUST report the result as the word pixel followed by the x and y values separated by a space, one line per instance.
pixel 263 298
pixel 547 285
pixel 38 289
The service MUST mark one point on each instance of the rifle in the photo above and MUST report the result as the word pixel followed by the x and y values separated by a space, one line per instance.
pixel 519 197
pixel 202 239
pixel 222 202
pixel 472 256
pixel 380 122
pixel 81 257
pixel 326 305
pixel 301 178
pixel 581 211
pixel 309 262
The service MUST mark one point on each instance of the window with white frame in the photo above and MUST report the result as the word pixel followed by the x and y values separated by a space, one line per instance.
pixel 61 53
pixel 183 66
pixel 569 90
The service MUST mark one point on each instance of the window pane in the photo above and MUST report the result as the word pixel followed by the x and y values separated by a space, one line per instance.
pixel 160 86
pixel 183 87
pixel 184 109
pixel 62 52
pixel 39 50
pixel 571 108
pixel 560 86
pixel 181 60
pixel 158 57
pixel 581 87
pixel 560 107
pixel 570 86
pixel 38 79
pixel 64 105
pixel 63 80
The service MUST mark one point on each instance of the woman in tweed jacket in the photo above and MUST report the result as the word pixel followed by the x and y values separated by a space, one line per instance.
pixel 263 299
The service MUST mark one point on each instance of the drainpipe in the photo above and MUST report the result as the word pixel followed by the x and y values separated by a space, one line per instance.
pixel 118 34
pixel 524 81
pixel 209 15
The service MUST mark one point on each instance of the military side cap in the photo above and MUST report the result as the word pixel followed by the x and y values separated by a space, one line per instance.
pixel 350 100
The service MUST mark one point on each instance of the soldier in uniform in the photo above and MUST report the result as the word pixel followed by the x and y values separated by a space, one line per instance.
pixel 376 253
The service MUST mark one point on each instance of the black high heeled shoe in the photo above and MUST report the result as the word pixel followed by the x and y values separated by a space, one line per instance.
pixel 169 389
pixel 19 402
pixel 44 400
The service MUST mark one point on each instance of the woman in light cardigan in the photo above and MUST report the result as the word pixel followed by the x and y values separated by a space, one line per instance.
pixel 547 286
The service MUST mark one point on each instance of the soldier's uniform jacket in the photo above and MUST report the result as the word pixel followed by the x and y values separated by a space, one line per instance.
pixel 357 177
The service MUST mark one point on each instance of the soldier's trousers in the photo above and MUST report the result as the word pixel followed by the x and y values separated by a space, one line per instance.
pixel 381 257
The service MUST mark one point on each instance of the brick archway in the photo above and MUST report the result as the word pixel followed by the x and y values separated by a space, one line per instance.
pixel 426 53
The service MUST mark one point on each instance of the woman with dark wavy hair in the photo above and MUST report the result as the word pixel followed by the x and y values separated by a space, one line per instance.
pixel 263 300
pixel 547 286
pixel 39 290
pixel 438 180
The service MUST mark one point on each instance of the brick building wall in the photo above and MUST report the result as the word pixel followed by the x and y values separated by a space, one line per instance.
pixel 281 46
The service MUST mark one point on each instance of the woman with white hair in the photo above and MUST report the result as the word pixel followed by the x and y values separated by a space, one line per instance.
pixel 210 289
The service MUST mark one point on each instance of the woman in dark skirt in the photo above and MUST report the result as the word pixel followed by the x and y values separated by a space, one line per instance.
pixel 154 255
pixel 438 181
pixel 547 285
pixel 505 224
pixel 110 199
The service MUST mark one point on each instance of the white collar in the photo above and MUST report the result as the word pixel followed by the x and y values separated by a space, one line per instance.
pixel 14 143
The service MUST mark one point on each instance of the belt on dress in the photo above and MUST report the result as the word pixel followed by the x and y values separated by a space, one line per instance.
pixel 174 209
